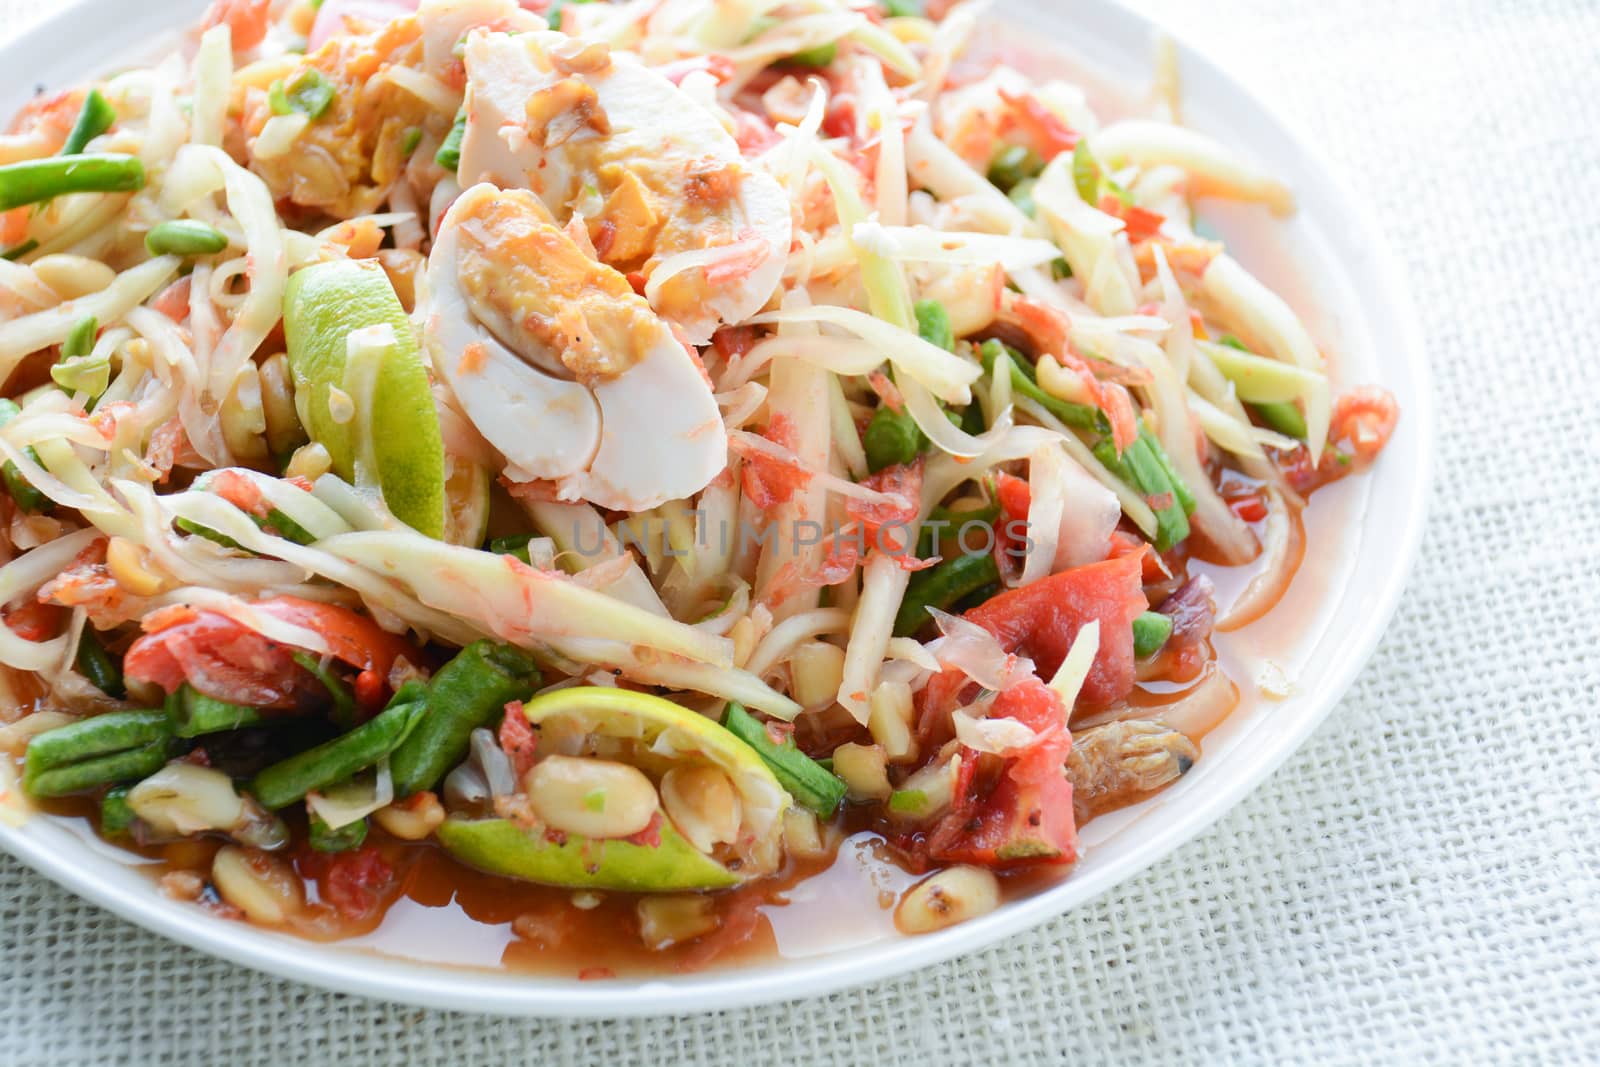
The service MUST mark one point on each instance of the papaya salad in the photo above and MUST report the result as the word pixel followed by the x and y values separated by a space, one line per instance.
pixel 626 449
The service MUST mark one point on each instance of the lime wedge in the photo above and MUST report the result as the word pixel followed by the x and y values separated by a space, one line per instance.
pixel 324 304
pixel 501 847
pixel 466 493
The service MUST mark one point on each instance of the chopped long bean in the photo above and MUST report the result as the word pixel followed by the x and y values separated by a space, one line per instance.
pixel 34 180
pixel 1150 632
pixel 97 665
pixel 941 587
pixel 126 766
pixel 449 154
pixel 95 118
pixel 1081 416
pixel 21 490
pixel 116 816
pixel 811 784
pixel 1139 467
pixel 468 692
pixel 1014 165
pixel 291 779
pixel 324 838
pixel 98 736
pixel 184 237
pixel 194 714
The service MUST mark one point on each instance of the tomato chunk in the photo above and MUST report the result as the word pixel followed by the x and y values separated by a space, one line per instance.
pixel 1041 621
pixel 1024 815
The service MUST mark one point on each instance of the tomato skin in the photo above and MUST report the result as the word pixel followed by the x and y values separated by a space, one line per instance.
pixel 247 21
pixel 1042 620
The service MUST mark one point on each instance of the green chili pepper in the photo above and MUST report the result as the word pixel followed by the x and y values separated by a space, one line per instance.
pixel 468 692
pixel 107 749
pixel 96 117
pixel 116 816
pixel 97 665
pixel 805 779
pixel 1150 632
pixel 291 779
pixel 35 180
pixel 194 714
pixel 1080 416
pixel 323 838
pixel 1014 165
pixel 449 154
pixel 184 237
pixel 940 587
pixel 22 491
pixel 821 56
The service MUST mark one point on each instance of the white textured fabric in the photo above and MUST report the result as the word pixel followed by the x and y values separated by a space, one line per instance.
pixel 1421 883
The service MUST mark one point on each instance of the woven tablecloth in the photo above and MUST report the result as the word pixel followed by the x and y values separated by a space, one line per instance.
pixel 1421 882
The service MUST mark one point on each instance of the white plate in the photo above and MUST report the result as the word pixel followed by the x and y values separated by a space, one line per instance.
pixel 1363 314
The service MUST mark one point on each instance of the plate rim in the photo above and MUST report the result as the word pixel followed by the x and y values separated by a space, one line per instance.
pixel 373 975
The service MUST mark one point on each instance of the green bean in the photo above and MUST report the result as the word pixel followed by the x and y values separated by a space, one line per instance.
pixel 892 437
pixel 324 838
pixel 311 94
pixel 1180 488
pixel 933 324
pixel 1021 194
pixel 928 538
pixel 184 237
pixel 899 9
pixel 344 701
pixel 449 154
pixel 940 587
pixel 34 180
pixel 291 779
pixel 194 714
pixel 80 339
pixel 97 665
pixel 116 816
pixel 101 735
pixel 1284 417
pixel 412 138
pixel 95 118
pixel 1081 416
pixel 811 784
pixel 516 545
pixel 1139 467
pixel 468 692
pixel 125 766
pixel 22 491
pixel 821 56
pixel 14 254
pixel 1150 632
pixel 1014 165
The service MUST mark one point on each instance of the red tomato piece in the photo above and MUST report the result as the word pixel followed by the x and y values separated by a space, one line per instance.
pixel 1025 816
pixel 356 883
pixel 1041 621
pixel 247 21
